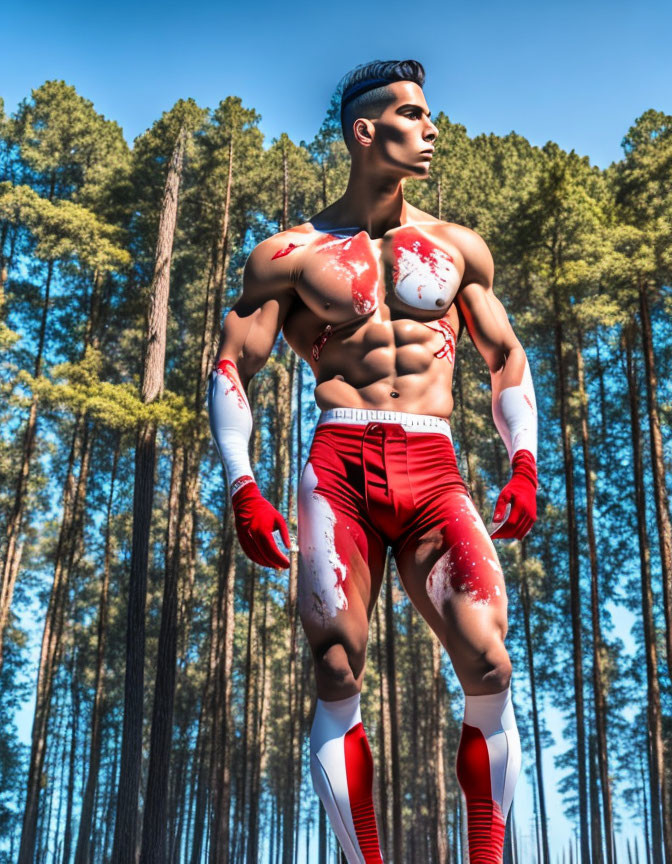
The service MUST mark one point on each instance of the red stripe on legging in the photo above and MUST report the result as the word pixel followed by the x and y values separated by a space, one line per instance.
pixel 485 824
pixel 359 771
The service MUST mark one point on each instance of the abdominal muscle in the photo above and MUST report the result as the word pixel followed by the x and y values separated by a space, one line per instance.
pixel 364 368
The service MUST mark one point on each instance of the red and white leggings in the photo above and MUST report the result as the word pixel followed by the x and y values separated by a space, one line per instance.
pixel 488 764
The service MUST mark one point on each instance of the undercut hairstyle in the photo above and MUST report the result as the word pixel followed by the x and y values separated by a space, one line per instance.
pixel 365 90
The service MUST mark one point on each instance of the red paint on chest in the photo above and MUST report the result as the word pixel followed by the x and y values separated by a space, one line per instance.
pixel 416 254
pixel 449 339
pixel 352 259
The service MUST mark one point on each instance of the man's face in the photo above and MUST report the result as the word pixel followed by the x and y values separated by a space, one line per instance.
pixel 404 133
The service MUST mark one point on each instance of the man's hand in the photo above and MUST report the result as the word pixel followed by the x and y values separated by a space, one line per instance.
pixel 520 494
pixel 256 520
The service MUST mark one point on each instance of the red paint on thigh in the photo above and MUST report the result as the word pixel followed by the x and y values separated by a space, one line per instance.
pixel 470 565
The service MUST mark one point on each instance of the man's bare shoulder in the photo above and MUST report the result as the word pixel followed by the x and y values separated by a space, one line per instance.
pixel 478 264
pixel 276 261
pixel 280 245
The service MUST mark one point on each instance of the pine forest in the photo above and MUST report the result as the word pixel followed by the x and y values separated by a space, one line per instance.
pixel 156 688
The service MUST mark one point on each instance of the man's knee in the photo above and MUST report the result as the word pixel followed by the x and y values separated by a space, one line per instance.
pixel 339 668
pixel 488 672
pixel 496 669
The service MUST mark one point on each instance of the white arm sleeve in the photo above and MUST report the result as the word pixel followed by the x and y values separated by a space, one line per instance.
pixel 230 422
pixel 514 411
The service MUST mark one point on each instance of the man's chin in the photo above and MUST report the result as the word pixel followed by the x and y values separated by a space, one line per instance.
pixel 419 172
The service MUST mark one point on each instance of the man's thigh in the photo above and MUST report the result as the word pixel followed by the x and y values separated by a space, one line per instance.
pixel 341 562
pixel 452 574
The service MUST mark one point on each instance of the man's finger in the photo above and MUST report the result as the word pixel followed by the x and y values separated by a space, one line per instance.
pixel 284 532
pixel 274 557
pixel 250 548
pixel 497 524
pixel 502 508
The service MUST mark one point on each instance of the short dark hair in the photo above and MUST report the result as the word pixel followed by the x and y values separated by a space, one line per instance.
pixel 364 90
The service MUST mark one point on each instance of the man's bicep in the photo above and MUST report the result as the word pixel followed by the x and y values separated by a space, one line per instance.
pixel 253 323
pixel 487 323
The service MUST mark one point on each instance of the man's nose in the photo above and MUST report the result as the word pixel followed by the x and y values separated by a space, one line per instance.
pixel 431 133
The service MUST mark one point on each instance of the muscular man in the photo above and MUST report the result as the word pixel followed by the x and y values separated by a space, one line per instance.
pixel 369 293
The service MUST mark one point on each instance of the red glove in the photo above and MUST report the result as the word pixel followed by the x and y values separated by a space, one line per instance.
pixel 256 519
pixel 520 493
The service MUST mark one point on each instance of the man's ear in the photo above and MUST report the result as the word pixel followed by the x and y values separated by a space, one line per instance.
pixel 363 130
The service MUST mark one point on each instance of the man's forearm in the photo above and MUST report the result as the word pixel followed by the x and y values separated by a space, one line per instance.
pixel 514 407
pixel 231 423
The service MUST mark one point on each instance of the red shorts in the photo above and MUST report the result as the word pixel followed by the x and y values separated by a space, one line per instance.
pixel 375 479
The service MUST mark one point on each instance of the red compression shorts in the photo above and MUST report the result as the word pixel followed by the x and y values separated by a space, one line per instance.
pixel 375 479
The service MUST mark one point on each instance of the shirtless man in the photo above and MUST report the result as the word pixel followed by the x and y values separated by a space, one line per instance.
pixel 369 293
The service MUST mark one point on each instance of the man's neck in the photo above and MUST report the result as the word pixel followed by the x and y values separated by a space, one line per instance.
pixel 376 204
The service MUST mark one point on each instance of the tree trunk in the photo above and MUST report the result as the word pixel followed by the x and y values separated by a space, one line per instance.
pixel 284 222
pixel 440 780
pixel 265 685
pixel 247 744
pixel 660 489
pixel 214 300
pixel 155 818
pixel 397 834
pixel 599 683
pixel 525 602
pixel 574 583
pixel 595 829
pixel 413 833
pixel 73 502
pixel 13 545
pixel 205 755
pixel 473 481
pixel 384 746
pixel 285 382
pixel 75 702
pixel 125 833
pixel 82 852
pixel 322 836
pixel 222 731
pixel 654 717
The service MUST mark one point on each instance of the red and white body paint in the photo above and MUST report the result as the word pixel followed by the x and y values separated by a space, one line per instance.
pixel 514 410
pixel 488 765
pixel 424 276
pixel 322 571
pixel 341 766
pixel 447 350
pixel 230 423
pixel 470 565
pixel 352 261
pixel 257 521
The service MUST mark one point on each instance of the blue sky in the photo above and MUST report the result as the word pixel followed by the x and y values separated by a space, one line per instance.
pixel 578 74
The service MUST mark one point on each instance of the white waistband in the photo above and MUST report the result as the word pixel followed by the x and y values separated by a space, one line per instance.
pixel 409 422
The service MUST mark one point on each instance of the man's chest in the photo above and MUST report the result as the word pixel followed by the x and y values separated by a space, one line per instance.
pixel 342 277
